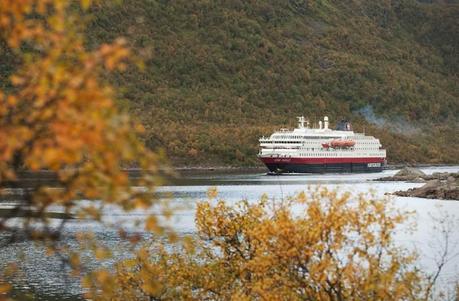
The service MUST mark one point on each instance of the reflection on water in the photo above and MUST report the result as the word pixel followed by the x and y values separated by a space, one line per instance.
pixel 45 274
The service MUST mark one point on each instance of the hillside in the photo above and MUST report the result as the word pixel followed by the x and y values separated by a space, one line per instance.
pixel 219 74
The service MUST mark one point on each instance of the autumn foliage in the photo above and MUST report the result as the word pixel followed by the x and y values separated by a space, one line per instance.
pixel 58 115
pixel 321 245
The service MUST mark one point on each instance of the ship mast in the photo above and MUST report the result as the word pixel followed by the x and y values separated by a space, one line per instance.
pixel 301 121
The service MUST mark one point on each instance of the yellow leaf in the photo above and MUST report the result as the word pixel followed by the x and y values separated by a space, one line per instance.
pixel 151 224
pixel 212 192
pixel 189 245
pixel 85 4
pixel 101 253
pixel 74 260
pixel 102 276
pixel 5 288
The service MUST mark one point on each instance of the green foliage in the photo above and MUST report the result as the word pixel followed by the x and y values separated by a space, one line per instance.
pixel 219 75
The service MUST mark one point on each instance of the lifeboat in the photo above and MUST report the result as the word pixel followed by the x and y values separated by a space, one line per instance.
pixel 325 145
pixel 340 143
pixel 349 143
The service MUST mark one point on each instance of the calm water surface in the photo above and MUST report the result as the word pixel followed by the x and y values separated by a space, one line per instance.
pixel 45 274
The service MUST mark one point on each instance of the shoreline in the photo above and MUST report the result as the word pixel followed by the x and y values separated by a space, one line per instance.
pixel 187 170
pixel 235 169
pixel 46 176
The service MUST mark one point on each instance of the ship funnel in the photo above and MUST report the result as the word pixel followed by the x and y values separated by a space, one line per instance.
pixel 326 122
pixel 320 124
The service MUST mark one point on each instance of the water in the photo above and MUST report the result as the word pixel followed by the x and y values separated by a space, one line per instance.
pixel 45 274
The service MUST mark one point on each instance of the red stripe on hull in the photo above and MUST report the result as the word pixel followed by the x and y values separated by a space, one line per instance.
pixel 275 160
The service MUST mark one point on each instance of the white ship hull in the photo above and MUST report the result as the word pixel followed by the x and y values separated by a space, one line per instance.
pixel 320 150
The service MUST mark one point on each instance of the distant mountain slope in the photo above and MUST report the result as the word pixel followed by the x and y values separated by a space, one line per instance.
pixel 219 74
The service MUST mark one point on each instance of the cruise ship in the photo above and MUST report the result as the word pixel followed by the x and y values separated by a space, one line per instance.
pixel 320 149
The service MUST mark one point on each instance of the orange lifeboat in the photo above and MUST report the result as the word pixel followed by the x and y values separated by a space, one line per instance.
pixel 349 143
pixel 339 143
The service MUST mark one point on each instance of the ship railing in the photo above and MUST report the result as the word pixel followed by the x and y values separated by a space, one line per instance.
pixel 277 155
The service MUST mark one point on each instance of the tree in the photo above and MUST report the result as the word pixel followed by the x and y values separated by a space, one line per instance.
pixel 326 246
pixel 58 114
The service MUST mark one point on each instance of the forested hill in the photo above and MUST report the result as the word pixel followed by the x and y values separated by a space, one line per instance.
pixel 219 74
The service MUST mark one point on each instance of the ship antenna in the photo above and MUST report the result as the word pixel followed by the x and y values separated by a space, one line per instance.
pixel 301 122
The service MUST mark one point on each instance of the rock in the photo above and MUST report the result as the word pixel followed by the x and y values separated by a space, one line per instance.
pixel 418 180
pixel 406 174
pixel 410 172
pixel 452 194
pixel 428 189
pixel 439 185
pixel 437 175
pixel 434 189
pixel 431 184
pixel 385 179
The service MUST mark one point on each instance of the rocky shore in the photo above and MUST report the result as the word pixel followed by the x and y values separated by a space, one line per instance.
pixel 439 185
